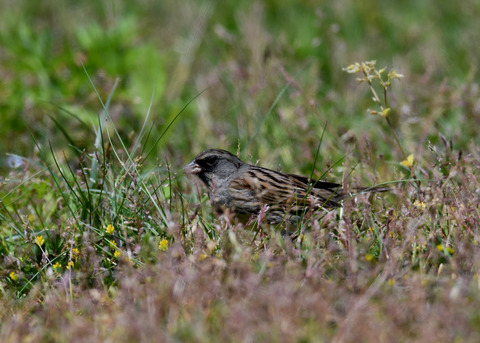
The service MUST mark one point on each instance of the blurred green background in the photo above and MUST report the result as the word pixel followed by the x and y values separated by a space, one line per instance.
pixel 270 72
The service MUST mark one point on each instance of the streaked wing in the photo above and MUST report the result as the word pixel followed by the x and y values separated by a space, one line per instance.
pixel 287 195
pixel 326 194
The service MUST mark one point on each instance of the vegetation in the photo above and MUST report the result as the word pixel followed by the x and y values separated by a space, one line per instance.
pixel 104 239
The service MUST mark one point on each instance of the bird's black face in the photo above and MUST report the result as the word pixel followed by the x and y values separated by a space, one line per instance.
pixel 213 166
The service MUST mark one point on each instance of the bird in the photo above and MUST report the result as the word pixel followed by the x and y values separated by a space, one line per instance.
pixel 248 190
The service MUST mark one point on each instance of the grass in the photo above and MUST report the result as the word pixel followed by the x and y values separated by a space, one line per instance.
pixel 104 239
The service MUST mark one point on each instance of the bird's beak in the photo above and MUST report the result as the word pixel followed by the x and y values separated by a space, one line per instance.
pixel 192 168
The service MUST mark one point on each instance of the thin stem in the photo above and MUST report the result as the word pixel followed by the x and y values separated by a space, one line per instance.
pixel 390 124
pixel 382 108
pixel 377 99
pixel 396 137
pixel 385 95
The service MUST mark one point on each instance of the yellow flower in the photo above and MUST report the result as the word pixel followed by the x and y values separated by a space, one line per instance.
pixel 39 240
pixel 441 247
pixel 70 265
pixel 110 229
pixel 384 113
pixel 394 75
pixel 113 243
pixel 392 235
pixel 202 257
pixel 369 64
pixel 13 276
pixel 163 245
pixel 57 265
pixel 420 204
pixel 368 257
pixel 75 252
pixel 408 162
pixel 117 253
pixel 352 68
pixel 391 282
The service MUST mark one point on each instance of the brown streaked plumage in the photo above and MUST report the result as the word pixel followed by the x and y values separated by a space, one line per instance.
pixel 246 189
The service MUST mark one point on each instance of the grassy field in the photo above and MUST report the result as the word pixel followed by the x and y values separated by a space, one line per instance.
pixel 104 239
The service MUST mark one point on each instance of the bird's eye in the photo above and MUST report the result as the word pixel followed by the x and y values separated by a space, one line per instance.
pixel 209 161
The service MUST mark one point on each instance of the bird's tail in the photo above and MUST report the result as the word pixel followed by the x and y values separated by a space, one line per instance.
pixel 343 194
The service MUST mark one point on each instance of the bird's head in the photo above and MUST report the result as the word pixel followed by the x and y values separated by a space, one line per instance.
pixel 214 166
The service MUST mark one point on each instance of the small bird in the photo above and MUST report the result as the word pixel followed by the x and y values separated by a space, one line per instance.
pixel 247 190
